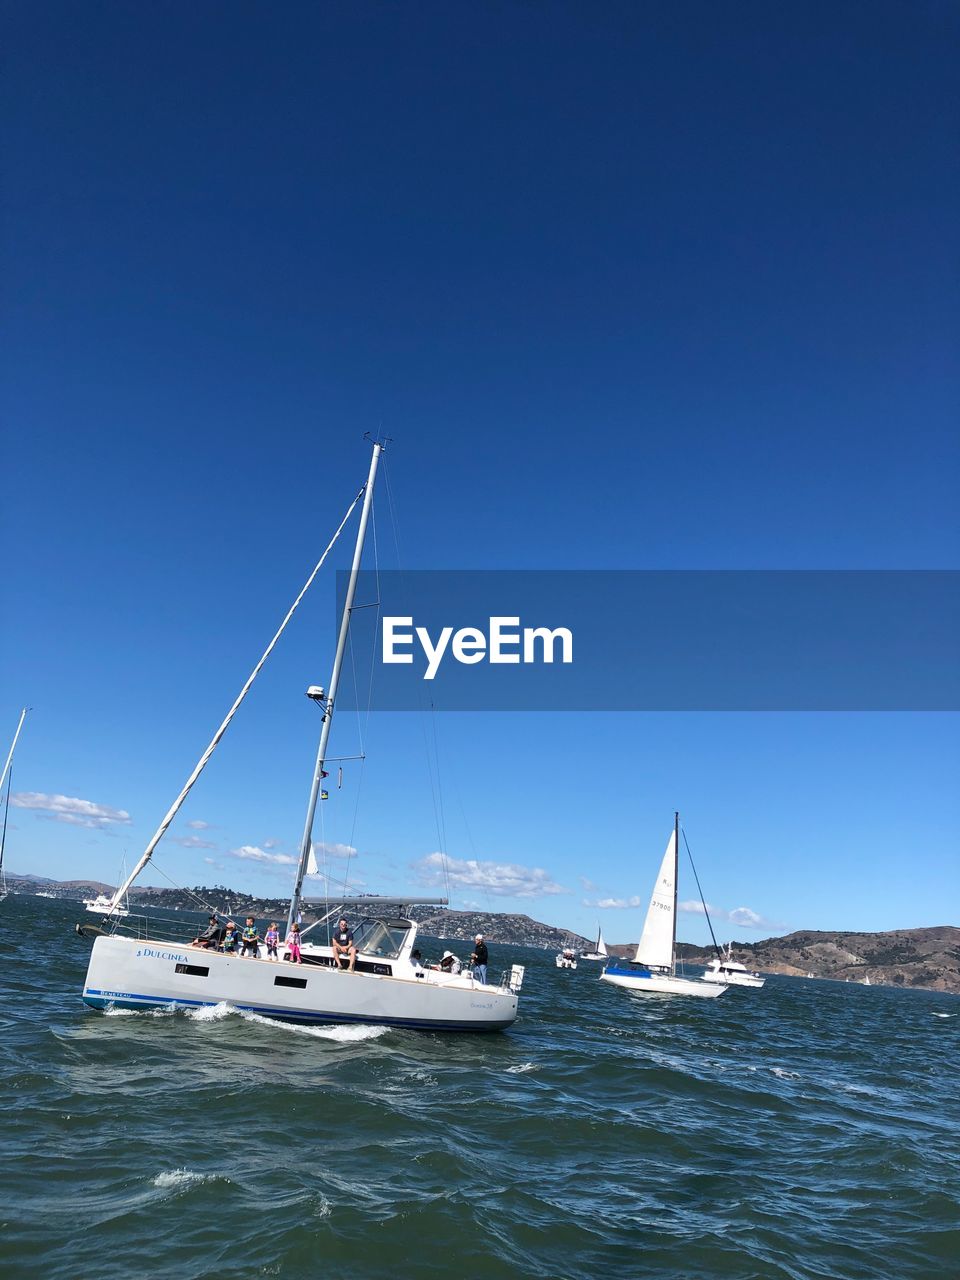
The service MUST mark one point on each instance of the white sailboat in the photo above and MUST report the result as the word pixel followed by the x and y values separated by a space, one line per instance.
pixel 723 968
pixel 385 986
pixel 654 967
pixel 7 776
pixel 599 951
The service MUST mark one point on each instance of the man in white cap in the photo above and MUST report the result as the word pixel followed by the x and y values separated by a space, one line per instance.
pixel 479 959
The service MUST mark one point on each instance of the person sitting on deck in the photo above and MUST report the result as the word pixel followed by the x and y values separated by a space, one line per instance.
pixel 250 939
pixel 344 945
pixel 212 935
pixel 449 963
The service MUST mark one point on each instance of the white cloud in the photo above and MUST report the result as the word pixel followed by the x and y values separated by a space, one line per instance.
pixel 270 844
pixel 193 842
pixel 587 885
pixel 252 853
pixel 71 809
pixel 503 879
pixel 694 907
pixel 746 918
pixel 335 850
pixel 198 824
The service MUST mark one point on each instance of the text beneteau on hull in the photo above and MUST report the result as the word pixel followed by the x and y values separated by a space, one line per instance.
pixel 386 987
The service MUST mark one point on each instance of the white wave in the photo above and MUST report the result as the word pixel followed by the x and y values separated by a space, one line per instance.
pixel 522 1069
pixel 179 1179
pixel 165 1012
pixel 782 1074
pixel 347 1033
pixel 212 1012
pixel 944 1015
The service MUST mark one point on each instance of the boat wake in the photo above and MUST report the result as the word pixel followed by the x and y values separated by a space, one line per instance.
pixel 341 1033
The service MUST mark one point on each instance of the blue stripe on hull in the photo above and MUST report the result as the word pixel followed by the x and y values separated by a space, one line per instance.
pixel 97 1000
pixel 631 973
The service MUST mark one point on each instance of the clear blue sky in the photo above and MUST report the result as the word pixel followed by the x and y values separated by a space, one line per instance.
pixel 630 285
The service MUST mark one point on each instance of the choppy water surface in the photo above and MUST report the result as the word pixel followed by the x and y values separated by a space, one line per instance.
pixel 811 1129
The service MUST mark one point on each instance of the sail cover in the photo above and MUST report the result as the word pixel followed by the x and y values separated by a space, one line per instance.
pixel 656 942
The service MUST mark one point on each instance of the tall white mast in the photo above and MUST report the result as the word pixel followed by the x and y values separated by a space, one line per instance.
pixel 13 747
pixel 307 840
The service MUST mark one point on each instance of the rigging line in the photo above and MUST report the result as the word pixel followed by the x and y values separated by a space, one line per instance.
pixel 207 906
pixel 700 891
pixel 443 824
pixel 435 791
pixel 214 741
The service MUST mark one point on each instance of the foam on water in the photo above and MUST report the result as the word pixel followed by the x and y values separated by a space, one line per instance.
pixel 341 1033
pixel 179 1179
pixel 522 1069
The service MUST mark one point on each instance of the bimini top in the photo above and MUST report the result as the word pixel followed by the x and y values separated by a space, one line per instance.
pixel 374 904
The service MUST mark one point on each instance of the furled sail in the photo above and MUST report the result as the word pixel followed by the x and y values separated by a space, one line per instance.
pixel 656 942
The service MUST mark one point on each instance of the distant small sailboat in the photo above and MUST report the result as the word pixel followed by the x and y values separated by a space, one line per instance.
pixel 654 968
pixel 599 951
pixel 566 959
pixel 723 968
pixel 865 981
pixel 7 776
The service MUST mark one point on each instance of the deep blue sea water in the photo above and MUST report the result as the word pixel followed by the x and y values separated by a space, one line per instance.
pixel 811 1129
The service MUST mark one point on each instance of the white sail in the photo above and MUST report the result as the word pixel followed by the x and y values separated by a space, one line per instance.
pixel 312 867
pixel 655 948
pixel 601 945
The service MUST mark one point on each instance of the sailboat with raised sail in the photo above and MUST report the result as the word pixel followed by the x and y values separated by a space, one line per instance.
pixel 654 967
pixel 7 777
pixel 599 951
pixel 135 964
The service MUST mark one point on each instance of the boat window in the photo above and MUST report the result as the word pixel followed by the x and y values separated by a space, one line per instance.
pixel 280 981
pixel 380 937
pixel 195 970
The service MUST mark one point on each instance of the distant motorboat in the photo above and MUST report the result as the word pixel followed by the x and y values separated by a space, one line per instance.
pixel 102 905
pixel 599 951
pixel 566 959
pixel 654 968
pixel 723 968
pixel 40 894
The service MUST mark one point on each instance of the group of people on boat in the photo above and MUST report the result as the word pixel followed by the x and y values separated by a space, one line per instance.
pixel 450 963
pixel 224 936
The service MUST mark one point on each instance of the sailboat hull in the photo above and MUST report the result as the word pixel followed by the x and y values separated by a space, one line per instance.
pixel 127 973
pixel 659 984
